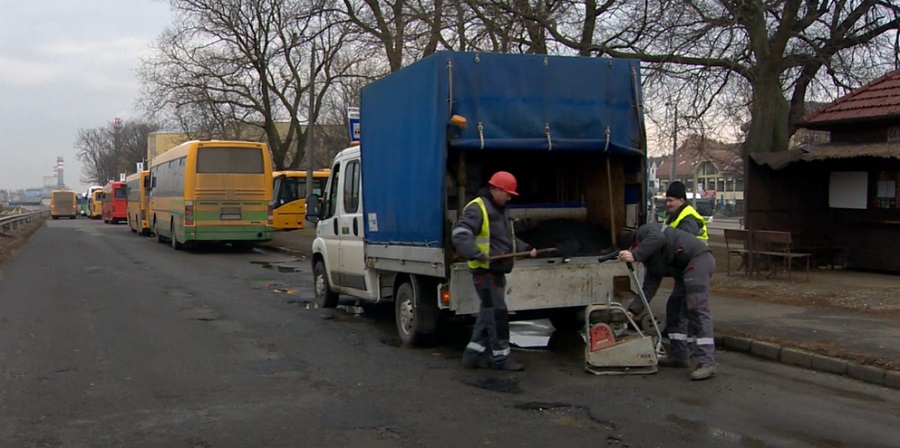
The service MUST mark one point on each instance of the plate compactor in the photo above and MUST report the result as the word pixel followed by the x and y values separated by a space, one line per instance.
pixel 613 348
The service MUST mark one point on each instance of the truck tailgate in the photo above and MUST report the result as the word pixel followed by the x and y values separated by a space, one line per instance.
pixel 543 284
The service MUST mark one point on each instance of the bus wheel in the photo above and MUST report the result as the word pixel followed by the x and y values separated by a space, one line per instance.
pixel 174 238
pixel 325 297
pixel 159 237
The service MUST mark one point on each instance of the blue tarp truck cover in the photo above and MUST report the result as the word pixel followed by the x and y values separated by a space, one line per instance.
pixel 510 101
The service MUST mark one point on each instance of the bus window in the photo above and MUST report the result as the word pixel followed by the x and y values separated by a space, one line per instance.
pixel 212 160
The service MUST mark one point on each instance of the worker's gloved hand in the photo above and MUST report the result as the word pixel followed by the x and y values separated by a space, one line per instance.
pixel 626 256
pixel 533 253
pixel 482 257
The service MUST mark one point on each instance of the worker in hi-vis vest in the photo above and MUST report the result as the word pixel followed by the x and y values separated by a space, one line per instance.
pixel 682 216
pixel 485 231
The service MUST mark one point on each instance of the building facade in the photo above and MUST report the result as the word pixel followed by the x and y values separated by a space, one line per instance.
pixel 712 172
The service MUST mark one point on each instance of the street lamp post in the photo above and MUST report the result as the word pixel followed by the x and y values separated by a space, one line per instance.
pixel 117 126
pixel 310 121
pixel 674 147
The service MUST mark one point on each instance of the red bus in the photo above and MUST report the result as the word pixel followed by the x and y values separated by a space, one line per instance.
pixel 115 205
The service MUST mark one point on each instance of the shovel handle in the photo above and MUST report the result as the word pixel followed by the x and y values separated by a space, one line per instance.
pixel 521 254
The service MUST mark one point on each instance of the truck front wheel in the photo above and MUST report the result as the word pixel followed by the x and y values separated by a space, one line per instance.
pixel 325 297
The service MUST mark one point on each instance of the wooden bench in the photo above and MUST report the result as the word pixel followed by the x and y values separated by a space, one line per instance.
pixel 776 244
pixel 737 242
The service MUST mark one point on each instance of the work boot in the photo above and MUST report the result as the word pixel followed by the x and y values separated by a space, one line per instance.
pixel 703 371
pixel 510 365
pixel 475 360
pixel 675 362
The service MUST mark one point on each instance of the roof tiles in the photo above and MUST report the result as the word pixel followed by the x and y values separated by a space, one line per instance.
pixel 878 99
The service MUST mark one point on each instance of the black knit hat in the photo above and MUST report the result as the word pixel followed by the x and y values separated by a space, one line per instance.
pixel 676 190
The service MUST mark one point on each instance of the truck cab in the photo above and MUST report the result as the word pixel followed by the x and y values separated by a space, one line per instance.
pixel 338 255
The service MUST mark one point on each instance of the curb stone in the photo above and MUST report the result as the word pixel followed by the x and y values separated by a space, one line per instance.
pixel 829 364
pixel 892 379
pixel 796 357
pixel 812 361
pixel 869 374
pixel 737 343
pixel 766 350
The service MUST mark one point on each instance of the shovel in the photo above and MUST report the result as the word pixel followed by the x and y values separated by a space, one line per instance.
pixel 522 254
pixel 565 250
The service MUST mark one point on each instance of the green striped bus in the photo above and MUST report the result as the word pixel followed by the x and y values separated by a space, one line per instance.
pixel 212 192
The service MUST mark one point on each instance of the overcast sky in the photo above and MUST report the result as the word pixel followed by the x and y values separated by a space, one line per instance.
pixel 67 65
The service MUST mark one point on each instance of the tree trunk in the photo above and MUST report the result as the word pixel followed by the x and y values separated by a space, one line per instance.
pixel 768 117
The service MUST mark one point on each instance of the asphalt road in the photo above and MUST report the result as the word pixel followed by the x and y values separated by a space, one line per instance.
pixel 108 339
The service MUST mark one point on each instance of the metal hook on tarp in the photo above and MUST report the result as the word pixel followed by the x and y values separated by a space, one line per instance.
pixel 481 133
pixel 549 140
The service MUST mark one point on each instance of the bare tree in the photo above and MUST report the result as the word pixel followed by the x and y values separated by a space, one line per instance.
pixel 109 150
pixel 767 55
pixel 405 30
pixel 229 66
pixel 236 63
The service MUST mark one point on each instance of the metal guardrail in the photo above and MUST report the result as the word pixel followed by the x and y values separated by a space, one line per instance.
pixel 13 222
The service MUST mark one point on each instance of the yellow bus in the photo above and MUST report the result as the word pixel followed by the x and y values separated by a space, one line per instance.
pixel 289 191
pixel 136 194
pixel 63 204
pixel 212 191
pixel 95 207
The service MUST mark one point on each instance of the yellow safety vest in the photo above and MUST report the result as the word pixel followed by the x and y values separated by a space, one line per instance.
pixel 483 239
pixel 689 211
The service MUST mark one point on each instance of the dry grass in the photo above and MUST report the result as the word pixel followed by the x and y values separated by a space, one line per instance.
pixel 13 241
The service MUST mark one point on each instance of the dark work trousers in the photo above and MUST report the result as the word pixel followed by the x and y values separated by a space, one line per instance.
pixel 688 318
pixel 492 325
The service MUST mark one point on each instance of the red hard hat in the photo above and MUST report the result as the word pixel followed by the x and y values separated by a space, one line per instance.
pixel 504 181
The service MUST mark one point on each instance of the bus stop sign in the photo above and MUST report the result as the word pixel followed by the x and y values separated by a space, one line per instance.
pixel 353 120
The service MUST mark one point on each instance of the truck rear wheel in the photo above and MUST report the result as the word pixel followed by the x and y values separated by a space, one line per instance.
pixel 405 314
pixel 415 322
pixel 325 297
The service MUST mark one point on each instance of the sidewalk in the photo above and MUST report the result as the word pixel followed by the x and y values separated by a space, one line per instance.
pixel 843 322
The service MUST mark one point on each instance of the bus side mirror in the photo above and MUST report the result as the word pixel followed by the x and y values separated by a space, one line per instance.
pixel 312 208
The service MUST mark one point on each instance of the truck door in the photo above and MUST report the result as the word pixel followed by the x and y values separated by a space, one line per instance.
pixel 351 228
pixel 327 228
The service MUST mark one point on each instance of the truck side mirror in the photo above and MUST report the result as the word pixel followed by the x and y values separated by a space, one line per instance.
pixel 312 208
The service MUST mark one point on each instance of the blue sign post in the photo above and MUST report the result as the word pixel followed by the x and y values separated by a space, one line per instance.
pixel 353 120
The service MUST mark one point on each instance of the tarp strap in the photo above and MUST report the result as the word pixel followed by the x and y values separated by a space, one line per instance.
pixel 450 83
pixel 550 140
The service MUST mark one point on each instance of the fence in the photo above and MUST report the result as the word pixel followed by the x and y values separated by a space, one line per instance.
pixel 12 222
